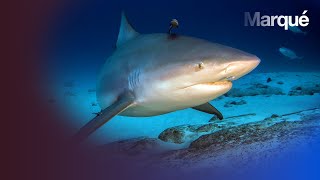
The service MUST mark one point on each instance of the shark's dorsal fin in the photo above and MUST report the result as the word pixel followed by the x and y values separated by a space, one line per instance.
pixel 126 31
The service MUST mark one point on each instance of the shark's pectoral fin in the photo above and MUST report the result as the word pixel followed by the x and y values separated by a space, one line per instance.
pixel 208 108
pixel 123 102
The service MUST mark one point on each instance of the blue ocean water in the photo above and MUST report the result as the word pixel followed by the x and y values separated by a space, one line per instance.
pixel 84 34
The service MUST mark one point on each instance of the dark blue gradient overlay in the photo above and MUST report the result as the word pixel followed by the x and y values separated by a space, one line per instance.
pixel 81 34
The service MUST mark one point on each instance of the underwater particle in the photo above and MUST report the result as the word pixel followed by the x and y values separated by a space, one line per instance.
pixel 280 82
pixel 269 80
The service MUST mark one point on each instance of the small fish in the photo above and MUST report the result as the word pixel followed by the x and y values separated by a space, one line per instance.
pixel 296 30
pixel 289 53
pixel 173 24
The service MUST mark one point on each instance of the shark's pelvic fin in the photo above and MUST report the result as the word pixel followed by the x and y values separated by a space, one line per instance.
pixel 126 31
pixel 123 102
pixel 208 108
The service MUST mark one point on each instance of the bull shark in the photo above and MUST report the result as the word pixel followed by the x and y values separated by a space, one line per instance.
pixel 154 74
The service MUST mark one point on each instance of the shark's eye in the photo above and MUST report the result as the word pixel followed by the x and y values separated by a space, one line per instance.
pixel 199 66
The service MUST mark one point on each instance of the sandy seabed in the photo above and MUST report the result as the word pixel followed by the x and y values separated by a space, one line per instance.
pixel 267 115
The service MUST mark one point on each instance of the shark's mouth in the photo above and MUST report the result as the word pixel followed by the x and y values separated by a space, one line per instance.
pixel 212 85
pixel 224 81
pixel 218 83
pixel 221 83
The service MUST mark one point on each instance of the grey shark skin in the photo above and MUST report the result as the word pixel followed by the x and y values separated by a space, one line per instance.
pixel 154 74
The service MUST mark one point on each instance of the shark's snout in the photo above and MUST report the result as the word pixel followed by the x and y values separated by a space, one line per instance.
pixel 237 69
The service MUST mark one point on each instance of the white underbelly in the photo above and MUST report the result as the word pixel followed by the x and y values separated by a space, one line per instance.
pixel 161 102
